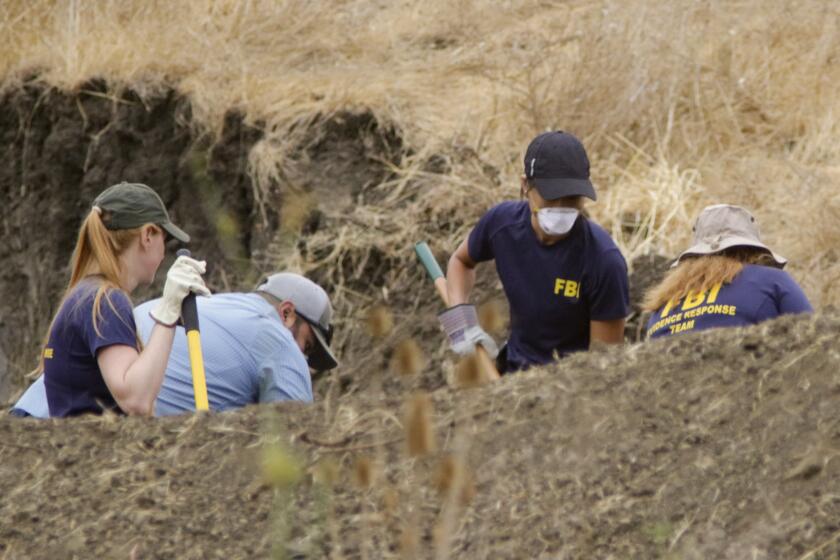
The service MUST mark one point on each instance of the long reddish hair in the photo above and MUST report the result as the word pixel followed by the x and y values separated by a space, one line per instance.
pixel 96 256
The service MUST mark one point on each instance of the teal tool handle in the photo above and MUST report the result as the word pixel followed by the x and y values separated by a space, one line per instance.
pixel 428 259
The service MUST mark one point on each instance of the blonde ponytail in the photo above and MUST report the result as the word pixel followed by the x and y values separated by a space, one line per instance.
pixel 699 274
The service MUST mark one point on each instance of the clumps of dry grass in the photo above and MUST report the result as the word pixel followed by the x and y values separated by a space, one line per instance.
pixel 419 428
pixel 679 106
pixel 663 206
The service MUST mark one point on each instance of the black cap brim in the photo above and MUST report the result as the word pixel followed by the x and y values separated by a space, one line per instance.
pixel 176 232
pixel 554 188
pixel 321 358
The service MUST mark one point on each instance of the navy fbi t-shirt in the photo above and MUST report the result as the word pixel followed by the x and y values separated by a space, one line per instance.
pixel 756 294
pixel 72 377
pixel 554 291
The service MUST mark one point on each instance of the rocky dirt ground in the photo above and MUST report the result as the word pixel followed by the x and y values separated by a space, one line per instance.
pixel 714 445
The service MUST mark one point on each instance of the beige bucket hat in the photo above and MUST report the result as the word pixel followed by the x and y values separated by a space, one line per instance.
pixel 722 226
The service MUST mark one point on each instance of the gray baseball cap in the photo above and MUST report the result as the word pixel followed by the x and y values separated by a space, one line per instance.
pixel 131 205
pixel 313 305
pixel 722 226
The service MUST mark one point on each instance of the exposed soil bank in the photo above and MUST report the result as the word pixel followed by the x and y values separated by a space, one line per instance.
pixel 64 148
pixel 61 149
pixel 722 444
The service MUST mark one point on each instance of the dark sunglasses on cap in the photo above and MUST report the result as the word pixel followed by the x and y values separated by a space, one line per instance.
pixel 327 333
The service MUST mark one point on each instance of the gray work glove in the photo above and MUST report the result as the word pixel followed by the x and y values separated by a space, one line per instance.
pixel 462 328
pixel 184 276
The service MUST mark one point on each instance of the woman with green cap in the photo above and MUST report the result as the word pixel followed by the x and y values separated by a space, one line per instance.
pixel 727 278
pixel 92 357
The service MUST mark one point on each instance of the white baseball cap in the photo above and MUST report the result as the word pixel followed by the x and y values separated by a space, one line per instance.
pixel 313 305
pixel 722 226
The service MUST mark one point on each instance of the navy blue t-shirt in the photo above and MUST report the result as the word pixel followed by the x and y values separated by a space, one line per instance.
pixel 756 294
pixel 72 377
pixel 554 291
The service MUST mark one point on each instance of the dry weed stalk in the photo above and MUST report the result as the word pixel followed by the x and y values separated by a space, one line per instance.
pixel 282 470
pixel 450 470
pixel 326 472
pixel 408 359
pixel 325 475
pixel 409 541
pixel 364 477
pixel 453 476
pixel 419 429
pixel 364 473
pixel 279 467
pixel 491 317
pixel 379 321
pixel 470 372
pixel 390 500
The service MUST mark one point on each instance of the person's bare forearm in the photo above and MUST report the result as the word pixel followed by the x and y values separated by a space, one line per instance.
pixel 605 333
pixel 460 275
pixel 143 378
pixel 460 280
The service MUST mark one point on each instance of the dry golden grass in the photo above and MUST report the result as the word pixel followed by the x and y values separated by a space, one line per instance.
pixel 681 104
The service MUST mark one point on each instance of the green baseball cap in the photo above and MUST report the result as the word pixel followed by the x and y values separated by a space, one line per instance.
pixel 131 205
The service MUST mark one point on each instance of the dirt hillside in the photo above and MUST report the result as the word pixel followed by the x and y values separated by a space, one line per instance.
pixel 61 148
pixel 718 445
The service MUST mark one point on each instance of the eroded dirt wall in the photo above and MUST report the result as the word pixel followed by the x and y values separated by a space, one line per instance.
pixel 61 149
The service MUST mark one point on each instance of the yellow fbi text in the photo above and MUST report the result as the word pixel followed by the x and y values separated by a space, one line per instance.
pixel 693 300
pixel 681 327
pixel 693 306
pixel 48 353
pixel 566 288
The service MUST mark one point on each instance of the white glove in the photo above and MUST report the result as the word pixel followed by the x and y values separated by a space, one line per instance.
pixel 184 276
pixel 461 326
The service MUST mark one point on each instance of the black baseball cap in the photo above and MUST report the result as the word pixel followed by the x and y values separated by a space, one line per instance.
pixel 557 165
pixel 131 205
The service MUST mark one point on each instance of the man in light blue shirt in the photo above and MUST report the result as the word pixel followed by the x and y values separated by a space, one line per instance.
pixel 257 347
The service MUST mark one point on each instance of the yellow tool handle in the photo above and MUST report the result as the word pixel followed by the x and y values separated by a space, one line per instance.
pixel 197 367
pixel 189 314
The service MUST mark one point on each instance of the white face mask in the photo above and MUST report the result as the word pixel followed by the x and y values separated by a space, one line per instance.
pixel 557 221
